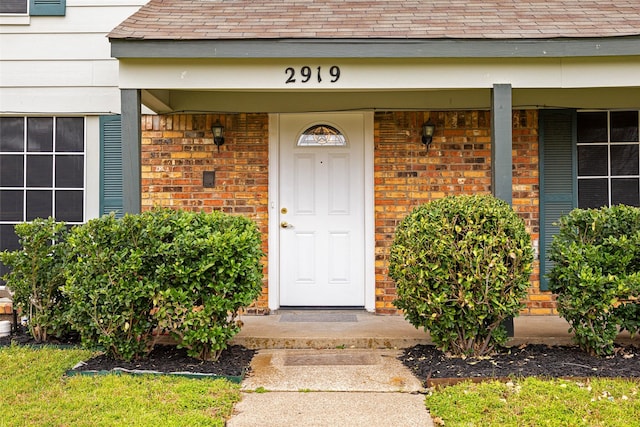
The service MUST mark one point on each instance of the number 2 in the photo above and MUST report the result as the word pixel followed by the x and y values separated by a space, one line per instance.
pixel 291 72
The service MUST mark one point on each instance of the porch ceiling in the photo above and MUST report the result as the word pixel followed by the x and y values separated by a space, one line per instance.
pixel 195 101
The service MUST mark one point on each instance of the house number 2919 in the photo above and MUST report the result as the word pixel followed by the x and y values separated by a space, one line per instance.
pixel 305 74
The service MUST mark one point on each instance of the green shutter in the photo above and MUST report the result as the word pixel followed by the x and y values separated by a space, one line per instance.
pixel 111 193
pixel 47 7
pixel 558 195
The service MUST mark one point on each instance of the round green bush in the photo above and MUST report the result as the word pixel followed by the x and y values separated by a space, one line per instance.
pixel 596 274
pixel 461 266
pixel 187 273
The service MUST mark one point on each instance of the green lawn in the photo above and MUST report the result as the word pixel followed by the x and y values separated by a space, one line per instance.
pixel 35 392
pixel 537 402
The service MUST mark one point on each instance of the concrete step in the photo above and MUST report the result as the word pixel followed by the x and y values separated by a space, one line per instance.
pixel 326 329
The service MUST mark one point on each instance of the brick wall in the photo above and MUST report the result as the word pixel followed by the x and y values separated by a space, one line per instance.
pixel 458 162
pixel 177 149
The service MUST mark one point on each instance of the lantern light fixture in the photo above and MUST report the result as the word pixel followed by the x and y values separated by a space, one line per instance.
pixel 428 129
pixel 218 134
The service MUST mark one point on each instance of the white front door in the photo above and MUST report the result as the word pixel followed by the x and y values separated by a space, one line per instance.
pixel 321 209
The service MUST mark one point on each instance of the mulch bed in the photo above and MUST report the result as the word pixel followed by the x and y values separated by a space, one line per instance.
pixel 425 361
pixel 233 362
pixel 434 367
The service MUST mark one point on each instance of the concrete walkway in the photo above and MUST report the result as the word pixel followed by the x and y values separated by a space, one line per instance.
pixel 330 387
pixel 340 368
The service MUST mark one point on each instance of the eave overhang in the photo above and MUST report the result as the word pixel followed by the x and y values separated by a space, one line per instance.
pixel 122 48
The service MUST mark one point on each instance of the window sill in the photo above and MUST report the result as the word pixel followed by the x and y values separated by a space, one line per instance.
pixel 15 20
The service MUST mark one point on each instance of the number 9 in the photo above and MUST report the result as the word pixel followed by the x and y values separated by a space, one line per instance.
pixel 306 73
pixel 335 73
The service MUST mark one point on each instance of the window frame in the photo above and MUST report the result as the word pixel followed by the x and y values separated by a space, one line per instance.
pixel 608 144
pixel 25 13
pixel 34 8
pixel 55 153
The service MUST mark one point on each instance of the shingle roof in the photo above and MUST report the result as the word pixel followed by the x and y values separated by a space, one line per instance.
pixel 388 19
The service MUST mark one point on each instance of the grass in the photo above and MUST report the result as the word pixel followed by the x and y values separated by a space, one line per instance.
pixel 538 402
pixel 35 392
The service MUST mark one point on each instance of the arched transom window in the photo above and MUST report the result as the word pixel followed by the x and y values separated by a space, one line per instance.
pixel 321 136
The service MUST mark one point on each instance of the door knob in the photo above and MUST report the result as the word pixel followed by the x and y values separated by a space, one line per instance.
pixel 285 224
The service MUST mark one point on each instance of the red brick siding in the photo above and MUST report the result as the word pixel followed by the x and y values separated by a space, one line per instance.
pixel 177 149
pixel 458 162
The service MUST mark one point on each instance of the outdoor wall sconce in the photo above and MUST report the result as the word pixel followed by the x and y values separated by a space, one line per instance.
pixel 218 134
pixel 428 129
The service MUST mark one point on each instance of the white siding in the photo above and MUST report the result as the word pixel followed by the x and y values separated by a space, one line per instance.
pixel 55 66
pixel 58 65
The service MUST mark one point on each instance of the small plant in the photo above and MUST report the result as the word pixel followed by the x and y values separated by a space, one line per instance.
pixel 596 275
pixel 461 266
pixel 36 277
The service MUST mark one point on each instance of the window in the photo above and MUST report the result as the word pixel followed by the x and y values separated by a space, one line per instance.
pixel 33 7
pixel 321 136
pixel 608 158
pixel 588 159
pixel 42 170
pixel 13 6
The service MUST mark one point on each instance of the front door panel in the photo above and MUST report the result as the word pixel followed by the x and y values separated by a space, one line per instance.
pixel 321 211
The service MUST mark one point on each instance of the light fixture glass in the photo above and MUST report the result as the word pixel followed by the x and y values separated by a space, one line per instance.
pixel 218 134
pixel 428 129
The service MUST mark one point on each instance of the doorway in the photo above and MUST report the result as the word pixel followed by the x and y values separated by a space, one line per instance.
pixel 323 213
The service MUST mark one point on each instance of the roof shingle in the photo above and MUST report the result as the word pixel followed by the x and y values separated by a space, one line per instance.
pixel 397 19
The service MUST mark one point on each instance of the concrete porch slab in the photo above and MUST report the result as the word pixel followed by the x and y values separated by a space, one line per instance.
pixel 378 331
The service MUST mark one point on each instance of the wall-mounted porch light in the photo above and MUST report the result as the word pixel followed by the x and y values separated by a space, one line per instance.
pixel 218 134
pixel 428 129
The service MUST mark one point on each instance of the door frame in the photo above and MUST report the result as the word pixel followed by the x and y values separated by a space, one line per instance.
pixel 274 200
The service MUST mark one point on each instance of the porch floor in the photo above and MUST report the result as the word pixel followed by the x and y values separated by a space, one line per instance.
pixel 359 329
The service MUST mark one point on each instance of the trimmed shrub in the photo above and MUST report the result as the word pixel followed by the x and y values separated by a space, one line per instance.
pixel 188 273
pixel 461 265
pixel 111 283
pixel 212 269
pixel 596 275
pixel 36 276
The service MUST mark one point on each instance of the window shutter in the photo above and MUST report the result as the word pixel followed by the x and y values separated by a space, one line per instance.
pixel 47 7
pixel 558 195
pixel 111 193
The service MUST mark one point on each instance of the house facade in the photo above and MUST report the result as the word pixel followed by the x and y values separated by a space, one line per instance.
pixel 322 106
pixel 58 91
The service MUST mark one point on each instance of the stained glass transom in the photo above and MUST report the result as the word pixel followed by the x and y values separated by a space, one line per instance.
pixel 321 136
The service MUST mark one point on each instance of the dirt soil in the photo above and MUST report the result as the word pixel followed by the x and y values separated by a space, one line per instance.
pixel 427 363
pixel 164 358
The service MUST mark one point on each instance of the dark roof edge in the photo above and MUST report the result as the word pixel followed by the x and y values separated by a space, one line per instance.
pixel 377 48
